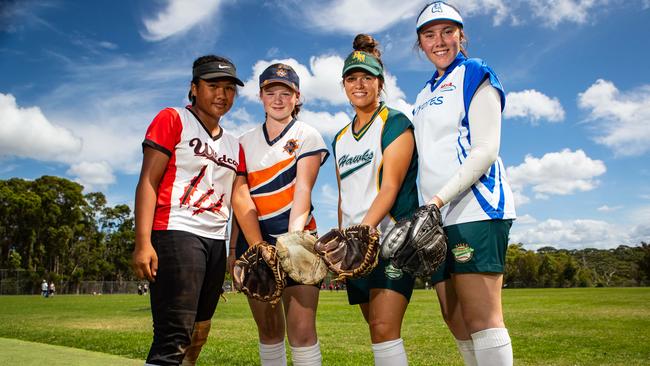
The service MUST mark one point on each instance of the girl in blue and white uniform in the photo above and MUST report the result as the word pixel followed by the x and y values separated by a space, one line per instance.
pixel 457 119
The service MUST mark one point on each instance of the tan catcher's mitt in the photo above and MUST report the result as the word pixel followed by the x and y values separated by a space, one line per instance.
pixel 351 252
pixel 298 258
pixel 257 273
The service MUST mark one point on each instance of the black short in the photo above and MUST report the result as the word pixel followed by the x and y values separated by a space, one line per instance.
pixel 189 280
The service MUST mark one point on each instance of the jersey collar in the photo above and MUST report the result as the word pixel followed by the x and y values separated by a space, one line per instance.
pixel 459 58
pixel 214 138
pixel 358 135
pixel 284 132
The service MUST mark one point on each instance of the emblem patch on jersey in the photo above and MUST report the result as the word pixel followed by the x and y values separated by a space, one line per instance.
pixel 463 253
pixel 291 146
pixel 447 87
pixel 359 57
pixel 393 273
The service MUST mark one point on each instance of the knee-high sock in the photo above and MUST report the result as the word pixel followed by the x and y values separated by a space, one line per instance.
pixel 466 349
pixel 273 354
pixel 199 337
pixel 306 356
pixel 390 353
pixel 492 347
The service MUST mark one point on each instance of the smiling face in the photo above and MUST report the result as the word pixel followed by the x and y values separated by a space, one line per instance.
pixel 279 101
pixel 362 89
pixel 441 42
pixel 214 98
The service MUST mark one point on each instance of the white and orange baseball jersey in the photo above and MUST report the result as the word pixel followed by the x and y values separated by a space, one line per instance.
pixel 271 172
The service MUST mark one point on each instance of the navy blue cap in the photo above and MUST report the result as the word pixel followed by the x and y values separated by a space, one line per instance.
pixel 280 73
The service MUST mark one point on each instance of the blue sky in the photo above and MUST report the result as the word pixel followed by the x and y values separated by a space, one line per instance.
pixel 81 80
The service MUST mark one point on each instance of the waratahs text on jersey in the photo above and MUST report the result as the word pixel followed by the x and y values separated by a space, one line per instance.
pixel 433 101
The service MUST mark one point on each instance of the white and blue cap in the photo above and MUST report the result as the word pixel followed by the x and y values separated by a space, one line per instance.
pixel 438 10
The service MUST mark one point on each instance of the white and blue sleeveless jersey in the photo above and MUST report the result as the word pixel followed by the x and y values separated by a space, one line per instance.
pixel 444 140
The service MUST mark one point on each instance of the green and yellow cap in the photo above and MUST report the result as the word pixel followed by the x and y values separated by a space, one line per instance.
pixel 365 61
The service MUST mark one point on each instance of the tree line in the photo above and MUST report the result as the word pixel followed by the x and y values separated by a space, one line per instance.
pixel 50 229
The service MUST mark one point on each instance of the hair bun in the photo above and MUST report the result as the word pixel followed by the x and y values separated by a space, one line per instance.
pixel 365 42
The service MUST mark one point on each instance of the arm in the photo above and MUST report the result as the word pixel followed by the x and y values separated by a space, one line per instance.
pixel 305 178
pixel 145 260
pixel 397 157
pixel 485 123
pixel 232 245
pixel 245 211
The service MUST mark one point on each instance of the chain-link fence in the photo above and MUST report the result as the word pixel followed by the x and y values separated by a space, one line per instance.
pixel 22 282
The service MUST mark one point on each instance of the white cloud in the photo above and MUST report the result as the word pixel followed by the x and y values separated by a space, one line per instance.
pixel 554 12
pixel 533 105
pixel 470 8
pixel 326 123
pixel 179 16
pixel 559 173
pixel 26 132
pixel 379 15
pixel 320 82
pixel 605 208
pixel 570 234
pixel 239 121
pixel 92 175
pixel 343 16
pixel 520 198
pixel 526 220
pixel 395 97
pixel 622 118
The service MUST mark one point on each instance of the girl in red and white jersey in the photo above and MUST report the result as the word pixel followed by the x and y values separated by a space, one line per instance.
pixel 182 207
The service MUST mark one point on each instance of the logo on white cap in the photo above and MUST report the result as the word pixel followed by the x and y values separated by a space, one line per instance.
pixel 438 11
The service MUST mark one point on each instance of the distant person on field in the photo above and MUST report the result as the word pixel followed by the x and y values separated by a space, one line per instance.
pixel 52 289
pixel 44 288
pixel 139 289
pixel 182 208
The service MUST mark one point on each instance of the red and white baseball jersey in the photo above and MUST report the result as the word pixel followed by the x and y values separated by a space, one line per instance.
pixel 194 192
pixel 272 168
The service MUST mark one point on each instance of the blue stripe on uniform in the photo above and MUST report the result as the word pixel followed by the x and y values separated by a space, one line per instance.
pixel 279 182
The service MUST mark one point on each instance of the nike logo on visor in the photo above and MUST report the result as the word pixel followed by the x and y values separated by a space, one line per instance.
pixel 223 66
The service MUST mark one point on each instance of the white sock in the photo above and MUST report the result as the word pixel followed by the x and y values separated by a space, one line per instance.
pixel 492 347
pixel 273 354
pixel 466 349
pixel 390 353
pixel 306 356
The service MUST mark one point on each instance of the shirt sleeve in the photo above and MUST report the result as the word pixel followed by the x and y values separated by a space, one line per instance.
pixel 164 132
pixel 395 125
pixel 477 71
pixel 485 124
pixel 312 144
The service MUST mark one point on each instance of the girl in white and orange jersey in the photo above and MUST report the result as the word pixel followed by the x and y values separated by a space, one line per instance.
pixel 283 157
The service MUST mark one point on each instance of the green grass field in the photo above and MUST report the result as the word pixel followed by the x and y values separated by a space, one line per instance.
pixel 548 327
